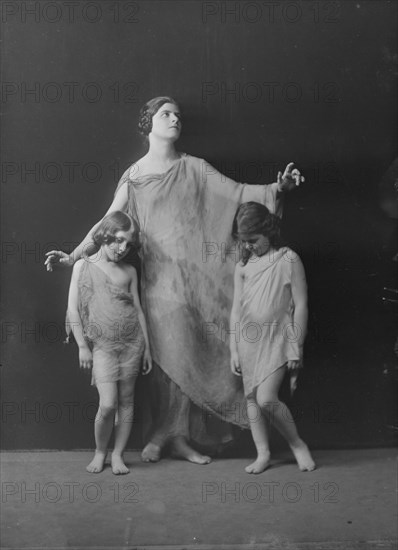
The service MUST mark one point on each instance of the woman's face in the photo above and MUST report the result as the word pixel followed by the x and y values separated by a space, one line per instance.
pixel 166 123
pixel 258 244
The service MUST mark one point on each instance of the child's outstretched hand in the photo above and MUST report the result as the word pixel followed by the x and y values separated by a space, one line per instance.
pixel 147 363
pixel 235 366
pixel 85 358
pixel 290 178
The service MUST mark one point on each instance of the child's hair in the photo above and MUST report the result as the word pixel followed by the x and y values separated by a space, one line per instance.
pixel 111 224
pixel 255 219
pixel 150 109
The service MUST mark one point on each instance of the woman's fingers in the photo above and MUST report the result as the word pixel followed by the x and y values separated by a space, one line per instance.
pixel 52 257
pixel 288 168
pixel 296 174
pixel 53 253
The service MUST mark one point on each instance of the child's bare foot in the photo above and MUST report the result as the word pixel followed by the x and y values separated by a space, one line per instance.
pixel 97 464
pixel 181 449
pixel 259 465
pixel 118 465
pixel 303 457
pixel 151 453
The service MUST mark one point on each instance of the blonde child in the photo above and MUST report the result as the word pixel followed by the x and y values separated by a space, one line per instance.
pixel 108 324
pixel 269 314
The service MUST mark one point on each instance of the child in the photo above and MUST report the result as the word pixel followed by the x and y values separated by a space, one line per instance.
pixel 270 309
pixel 108 324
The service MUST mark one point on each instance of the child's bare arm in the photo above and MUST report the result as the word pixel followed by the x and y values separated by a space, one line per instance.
pixel 299 295
pixel 85 355
pixel 234 320
pixel 87 246
pixel 141 317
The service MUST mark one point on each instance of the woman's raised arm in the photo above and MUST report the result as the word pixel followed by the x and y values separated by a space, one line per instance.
pixel 87 246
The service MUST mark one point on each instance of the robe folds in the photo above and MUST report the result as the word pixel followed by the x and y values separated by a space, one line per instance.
pixel 188 259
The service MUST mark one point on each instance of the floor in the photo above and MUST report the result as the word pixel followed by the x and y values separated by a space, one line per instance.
pixel 49 501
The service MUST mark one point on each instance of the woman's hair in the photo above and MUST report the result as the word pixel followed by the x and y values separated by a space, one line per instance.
pixel 111 224
pixel 253 218
pixel 149 110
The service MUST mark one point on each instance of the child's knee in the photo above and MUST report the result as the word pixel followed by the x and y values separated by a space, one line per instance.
pixel 107 410
pixel 268 404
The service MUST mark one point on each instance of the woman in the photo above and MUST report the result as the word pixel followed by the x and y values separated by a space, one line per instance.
pixel 185 208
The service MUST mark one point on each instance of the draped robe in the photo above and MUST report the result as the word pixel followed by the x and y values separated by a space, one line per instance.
pixel 188 259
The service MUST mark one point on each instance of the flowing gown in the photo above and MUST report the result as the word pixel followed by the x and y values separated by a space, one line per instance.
pixel 188 260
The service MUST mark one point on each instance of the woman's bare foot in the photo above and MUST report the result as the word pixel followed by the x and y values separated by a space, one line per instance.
pixel 259 465
pixel 97 464
pixel 118 465
pixel 303 457
pixel 151 453
pixel 181 449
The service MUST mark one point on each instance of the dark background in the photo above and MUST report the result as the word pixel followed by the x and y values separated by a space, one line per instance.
pixel 332 66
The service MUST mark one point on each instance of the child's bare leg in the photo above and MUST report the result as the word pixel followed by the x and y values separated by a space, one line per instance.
pixel 267 399
pixel 123 424
pixel 259 430
pixel 103 424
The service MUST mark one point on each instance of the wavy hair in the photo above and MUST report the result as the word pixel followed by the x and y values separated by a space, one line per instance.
pixel 253 218
pixel 111 224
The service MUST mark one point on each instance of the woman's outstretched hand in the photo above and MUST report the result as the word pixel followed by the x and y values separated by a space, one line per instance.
pixel 290 179
pixel 58 257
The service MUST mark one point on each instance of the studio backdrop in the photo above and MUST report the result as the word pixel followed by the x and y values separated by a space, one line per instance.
pixel 260 84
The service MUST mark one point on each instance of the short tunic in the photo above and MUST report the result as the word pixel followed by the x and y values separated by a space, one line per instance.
pixel 111 326
pixel 268 338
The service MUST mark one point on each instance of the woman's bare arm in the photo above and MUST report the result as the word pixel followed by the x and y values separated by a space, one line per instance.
pixel 87 246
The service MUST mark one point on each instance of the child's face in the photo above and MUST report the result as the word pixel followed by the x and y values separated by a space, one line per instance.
pixel 258 244
pixel 119 248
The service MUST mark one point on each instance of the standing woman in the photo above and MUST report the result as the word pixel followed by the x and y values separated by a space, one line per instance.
pixel 184 208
